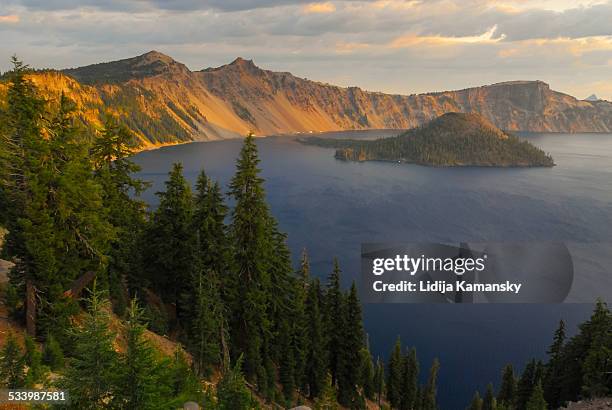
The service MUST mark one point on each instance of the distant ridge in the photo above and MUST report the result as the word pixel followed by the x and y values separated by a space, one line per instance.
pixel 163 102
pixel 592 97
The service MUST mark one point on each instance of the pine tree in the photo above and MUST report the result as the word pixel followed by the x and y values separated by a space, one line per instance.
pixel 349 357
pixel 334 320
pixel 138 378
pixel 279 344
pixel 301 323
pixel 536 401
pixel 113 169
pixel 430 392
pixel 315 371
pixel 89 377
pixel 53 356
pixel 476 403
pixel 209 216
pixel 232 391
pixel 367 374
pixel 410 379
pixel 526 384
pixel 56 232
pixel 81 231
pixel 207 318
pixel 597 381
pixel 489 402
pixel 208 324
pixel 250 285
pixel 395 375
pixel 553 374
pixel 379 381
pixel 170 241
pixel 33 359
pixel 286 371
pixel 182 383
pixel 12 371
pixel 327 399
pixel 507 391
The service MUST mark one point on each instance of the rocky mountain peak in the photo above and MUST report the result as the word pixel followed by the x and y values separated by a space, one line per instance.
pixel 146 65
pixel 154 56
pixel 241 62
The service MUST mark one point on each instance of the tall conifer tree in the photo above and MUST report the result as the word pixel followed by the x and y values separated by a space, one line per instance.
pixel 507 391
pixel 431 389
pixel 316 368
pixel 352 342
pixel 394 375
pixel 410 380
pixel 89 378
pixel 138 378
pixel 334 306
pixel 113 169
pixel 249 233
pixel 553 374
pixel 170 241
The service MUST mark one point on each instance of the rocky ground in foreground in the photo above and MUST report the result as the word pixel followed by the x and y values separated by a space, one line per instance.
pixel 598 404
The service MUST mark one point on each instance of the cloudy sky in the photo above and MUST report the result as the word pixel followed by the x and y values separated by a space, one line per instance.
pixel 396 46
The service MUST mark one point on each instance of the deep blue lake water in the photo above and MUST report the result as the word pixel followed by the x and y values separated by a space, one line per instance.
pixel 330 207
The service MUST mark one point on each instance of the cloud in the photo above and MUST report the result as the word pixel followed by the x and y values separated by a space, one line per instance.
pixel 10 19
pixel 397 45
pixel 412 40
pixel 319 8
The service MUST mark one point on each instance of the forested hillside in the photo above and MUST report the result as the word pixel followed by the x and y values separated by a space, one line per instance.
pixel 453 139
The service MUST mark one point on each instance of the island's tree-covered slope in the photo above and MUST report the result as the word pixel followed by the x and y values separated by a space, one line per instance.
pixel 163 101
pixel 453 139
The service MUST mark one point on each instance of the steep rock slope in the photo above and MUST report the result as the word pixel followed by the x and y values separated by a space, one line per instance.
pixel 164 102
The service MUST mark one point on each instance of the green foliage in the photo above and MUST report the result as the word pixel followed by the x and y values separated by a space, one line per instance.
pixel 170 242
pixel 489 402
pixel 57 226
pixel 139 375
pixel 327 399
pixel 430 391
pixel 12 364
pixel 597 366
pixel 410 376
pixel 367 374
pixel 232 391
pixel 113 169
pixel 476 403
pixel 316 364
pixel 334 320
pixel 395 375
pixel 536 401
pixel 352 343
pixel 379 380
pixel 33 360
pixel 89 377
pixel 53 356
pixel 250 237
pixel 452 139
pixel 525 385
pixel 157 127
pixel 553 375
pixel 156 319
pixel 507 392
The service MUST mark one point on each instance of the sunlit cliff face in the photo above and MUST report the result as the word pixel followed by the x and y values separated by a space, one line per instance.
pixel 164 102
